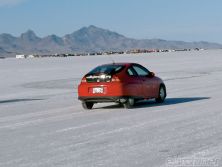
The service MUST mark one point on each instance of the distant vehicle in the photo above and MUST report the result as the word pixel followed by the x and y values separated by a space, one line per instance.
pixel 123 83
pixel 21 56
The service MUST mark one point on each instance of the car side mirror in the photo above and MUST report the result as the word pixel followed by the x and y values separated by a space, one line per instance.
pixel 151 75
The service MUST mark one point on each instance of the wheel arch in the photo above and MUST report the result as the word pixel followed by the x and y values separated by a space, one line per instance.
pixel 162 84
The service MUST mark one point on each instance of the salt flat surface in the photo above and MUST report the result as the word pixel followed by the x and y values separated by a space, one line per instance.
pixel 43 124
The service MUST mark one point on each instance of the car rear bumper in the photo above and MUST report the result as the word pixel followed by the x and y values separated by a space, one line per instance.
pixel 103 99
pixel 110 90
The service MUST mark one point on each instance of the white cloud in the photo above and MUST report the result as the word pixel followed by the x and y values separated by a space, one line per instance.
pixel 10 2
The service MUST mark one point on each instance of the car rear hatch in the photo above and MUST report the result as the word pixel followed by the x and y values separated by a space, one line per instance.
pixel 105 73
pixel 98 78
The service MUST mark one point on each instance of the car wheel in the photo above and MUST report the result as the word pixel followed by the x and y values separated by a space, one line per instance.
pixel 129 103
pixel 87 105
pixel 162 94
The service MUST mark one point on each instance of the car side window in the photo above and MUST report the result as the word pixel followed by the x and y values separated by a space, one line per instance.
pixel 141 71
pixel 131 72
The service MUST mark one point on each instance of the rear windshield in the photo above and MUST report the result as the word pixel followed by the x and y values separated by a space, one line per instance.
pixel 107 69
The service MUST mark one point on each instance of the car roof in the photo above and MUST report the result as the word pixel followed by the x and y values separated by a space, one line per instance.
pixel 119 63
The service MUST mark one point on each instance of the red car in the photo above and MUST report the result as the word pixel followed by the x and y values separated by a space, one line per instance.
pixel 124 83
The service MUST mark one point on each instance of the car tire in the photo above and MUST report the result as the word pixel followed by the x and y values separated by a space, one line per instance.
pixel 161 94
pixel 87 105
pixel 129 103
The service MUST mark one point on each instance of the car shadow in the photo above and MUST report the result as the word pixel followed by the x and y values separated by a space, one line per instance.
pixel 152 103
pixel 17 100
pixel 169 101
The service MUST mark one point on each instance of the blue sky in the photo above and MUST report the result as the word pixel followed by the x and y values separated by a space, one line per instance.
pixel 187 20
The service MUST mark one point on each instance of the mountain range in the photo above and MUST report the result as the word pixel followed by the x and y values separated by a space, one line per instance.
pixel 87 39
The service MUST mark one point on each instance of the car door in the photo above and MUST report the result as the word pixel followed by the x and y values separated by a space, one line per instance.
pixel 148 83
pixel 134 84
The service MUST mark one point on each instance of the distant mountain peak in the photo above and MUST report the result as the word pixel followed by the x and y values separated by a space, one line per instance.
pixel 53 39
pixel 53 36
pixel 29 32
pixel 92 26
pixel 96 31
pixel 29 35
pixel 6 39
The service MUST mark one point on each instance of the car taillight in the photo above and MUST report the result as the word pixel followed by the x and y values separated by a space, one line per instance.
pixel 83 80
pixel 115 79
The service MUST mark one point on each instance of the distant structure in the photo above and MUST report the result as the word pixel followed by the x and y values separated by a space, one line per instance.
pixel 20 56
pixel 31 56
pixel 24 56
pixel 133 51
